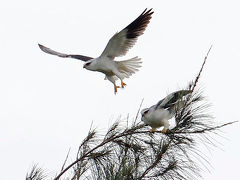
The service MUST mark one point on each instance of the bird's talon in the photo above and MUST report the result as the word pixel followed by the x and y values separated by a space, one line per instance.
pixel 164 131
pixel 123 84
pixel 152 130
pixel 115 88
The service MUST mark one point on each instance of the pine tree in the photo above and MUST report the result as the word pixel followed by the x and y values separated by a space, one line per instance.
pixel 128 152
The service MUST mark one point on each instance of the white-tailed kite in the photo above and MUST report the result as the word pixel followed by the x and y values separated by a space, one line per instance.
pixel 158 115
pixel 117 46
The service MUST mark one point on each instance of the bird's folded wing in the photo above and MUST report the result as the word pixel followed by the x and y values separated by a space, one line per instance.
pixel 172 99
pixel 50 51
pixel 121 42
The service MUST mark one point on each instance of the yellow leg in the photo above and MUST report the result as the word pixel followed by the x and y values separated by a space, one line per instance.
pixel 152 130
pixel 115 88
pixel 164 130
pixel 123 84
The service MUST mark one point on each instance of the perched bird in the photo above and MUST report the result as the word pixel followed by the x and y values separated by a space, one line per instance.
pixel 117 46
pixel 158 115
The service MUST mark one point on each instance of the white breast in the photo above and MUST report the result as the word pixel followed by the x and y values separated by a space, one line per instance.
pixel 105 66
pixel 157 118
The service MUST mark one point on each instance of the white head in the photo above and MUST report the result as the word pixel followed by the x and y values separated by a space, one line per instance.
pixel 90 65
pixel 144 112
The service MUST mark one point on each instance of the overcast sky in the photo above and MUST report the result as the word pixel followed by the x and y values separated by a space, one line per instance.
pixel 47 104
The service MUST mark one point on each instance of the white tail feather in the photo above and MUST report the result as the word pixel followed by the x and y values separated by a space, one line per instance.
pixel 129 67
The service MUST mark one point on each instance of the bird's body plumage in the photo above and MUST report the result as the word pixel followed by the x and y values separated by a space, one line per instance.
pixel 158 115
pixel 157 118
pixel 117 46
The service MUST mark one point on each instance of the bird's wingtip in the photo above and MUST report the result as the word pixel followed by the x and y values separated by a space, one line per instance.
pixel 43 48
pixel 148 11
pixel 40 46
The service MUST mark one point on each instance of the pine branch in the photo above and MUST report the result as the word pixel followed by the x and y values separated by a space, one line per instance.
pixel 36 173
pixel 199 73
pixel 64 163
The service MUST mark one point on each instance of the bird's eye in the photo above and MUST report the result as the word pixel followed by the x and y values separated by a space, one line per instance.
pixel 87 64
pixel 145 112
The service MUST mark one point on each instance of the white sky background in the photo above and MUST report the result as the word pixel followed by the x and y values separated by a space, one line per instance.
pixel 47 103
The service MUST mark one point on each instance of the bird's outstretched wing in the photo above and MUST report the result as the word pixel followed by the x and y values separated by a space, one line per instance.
pixel 50 51
pixel 172 99
pixel 121 42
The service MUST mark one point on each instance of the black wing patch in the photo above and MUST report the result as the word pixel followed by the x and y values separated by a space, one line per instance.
pixel 172 99
pixel 137 27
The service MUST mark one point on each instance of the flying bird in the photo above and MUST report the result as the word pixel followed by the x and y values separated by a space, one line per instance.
pixel 158 115
pixel 117 46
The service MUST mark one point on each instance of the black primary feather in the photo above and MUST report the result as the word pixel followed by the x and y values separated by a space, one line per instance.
pixel 137 27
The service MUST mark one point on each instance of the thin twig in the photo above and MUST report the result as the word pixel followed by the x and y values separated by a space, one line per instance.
pixel 204 130
pixel 65 159
pixel 198 76
pixel 138 112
